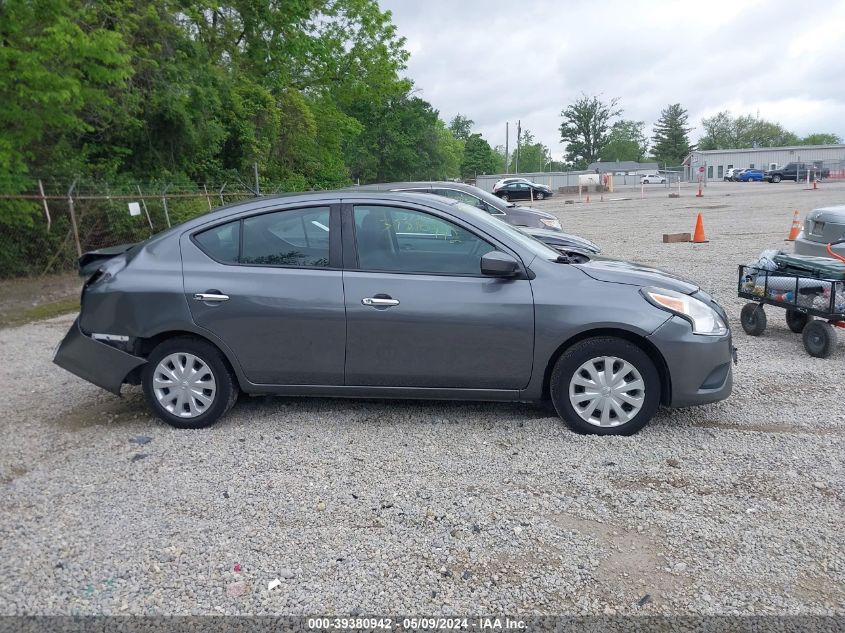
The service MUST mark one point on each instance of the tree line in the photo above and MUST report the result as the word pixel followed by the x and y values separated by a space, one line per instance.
pixel 594 130
pixel 310 93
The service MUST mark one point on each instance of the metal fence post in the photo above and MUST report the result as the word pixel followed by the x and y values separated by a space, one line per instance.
pixel 221 192
pixel 73 217
pixel 146 211
pixel 208 199
pixel 44 202
pixel 164 203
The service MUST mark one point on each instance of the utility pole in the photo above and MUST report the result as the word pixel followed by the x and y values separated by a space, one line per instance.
pixel 518 139
pixel 507 139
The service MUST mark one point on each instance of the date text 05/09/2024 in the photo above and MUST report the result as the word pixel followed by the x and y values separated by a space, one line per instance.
pixel 416 624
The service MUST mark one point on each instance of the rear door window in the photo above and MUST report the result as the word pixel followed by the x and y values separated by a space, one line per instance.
pixel 298 237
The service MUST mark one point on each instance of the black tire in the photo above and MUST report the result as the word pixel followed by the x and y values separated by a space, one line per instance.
pixel 226 387
pixel 819 339
pixel 504 197
pixel 753 319
pixel 539 196
pixel 594 348
pixel 776 178
pixel 797 321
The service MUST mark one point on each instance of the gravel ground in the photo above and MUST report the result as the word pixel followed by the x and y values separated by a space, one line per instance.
pixel 453 508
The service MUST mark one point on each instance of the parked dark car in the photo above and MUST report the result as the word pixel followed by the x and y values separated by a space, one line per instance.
pixel 750 175
pixel 799 171
pixel 393 295
pixel 473 196
pixel 523 191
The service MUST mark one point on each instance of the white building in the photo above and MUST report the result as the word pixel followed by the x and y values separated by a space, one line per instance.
pixel 712 164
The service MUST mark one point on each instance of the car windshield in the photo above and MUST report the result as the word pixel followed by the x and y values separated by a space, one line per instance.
pixel 534 245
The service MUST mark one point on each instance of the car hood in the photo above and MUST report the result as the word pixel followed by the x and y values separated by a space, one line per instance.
pixel 557 239
pixel 542 214
pixel 620 272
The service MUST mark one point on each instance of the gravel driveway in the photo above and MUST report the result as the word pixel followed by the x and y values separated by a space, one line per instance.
pixel 453 508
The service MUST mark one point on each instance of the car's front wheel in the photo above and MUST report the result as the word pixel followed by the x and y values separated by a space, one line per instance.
pixel 605 386
pixel 504 196
pixel 188 384
pixel 539 195
pixel 775 178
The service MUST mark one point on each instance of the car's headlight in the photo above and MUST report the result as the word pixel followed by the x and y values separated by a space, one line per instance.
pixel 552 223
pixel 704 319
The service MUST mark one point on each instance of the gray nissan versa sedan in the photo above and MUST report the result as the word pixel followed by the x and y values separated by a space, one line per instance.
pixel 390 295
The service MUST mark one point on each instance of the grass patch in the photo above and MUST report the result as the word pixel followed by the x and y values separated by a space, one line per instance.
pixel 48 310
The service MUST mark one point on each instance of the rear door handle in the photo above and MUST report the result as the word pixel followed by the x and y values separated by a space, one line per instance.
pixel 210 296
pixel 380 302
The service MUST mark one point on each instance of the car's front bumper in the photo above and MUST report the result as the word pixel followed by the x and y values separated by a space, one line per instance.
pixel 803 246
pixel 700 367
pixel 95 361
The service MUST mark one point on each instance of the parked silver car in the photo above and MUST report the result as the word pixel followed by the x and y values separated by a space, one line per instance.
pixel 822 227
pixel 475 197
pixel 390 295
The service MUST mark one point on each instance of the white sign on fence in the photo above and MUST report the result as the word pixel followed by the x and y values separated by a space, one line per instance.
pixel 134 208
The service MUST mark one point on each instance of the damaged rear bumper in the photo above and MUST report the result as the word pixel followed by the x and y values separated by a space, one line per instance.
pixel 95 361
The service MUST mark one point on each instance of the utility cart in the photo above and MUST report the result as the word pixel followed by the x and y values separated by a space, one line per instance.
pixel 806 287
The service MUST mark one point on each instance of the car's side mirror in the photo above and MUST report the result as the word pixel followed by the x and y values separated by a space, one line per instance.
pixel 499 264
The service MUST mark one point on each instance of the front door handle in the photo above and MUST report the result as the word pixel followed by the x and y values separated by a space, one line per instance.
pixel 380 302
pixel 210 296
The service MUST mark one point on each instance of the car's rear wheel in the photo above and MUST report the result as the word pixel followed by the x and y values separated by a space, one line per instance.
pixel 188 384
pixel 605 386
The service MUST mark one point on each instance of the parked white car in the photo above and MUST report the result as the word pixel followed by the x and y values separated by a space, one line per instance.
pixel 648 179
pixel 506 181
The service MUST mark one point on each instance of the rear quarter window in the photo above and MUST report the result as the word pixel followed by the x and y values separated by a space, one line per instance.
pixel 222 242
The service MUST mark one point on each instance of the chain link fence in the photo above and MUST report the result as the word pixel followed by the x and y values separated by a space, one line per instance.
pixel 44 230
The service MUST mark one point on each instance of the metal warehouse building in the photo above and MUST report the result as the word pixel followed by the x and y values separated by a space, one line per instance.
pixel 712 164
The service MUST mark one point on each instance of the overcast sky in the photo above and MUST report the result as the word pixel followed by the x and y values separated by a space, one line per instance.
pixel 497 61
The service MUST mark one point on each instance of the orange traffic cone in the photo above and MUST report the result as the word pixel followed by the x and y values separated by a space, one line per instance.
pixel 796 227
pixel 698 236
pixel 700 193
pixel 815 184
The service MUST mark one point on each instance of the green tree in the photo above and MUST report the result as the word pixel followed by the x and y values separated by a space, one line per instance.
pixel 461 127
pixel 821 138
pixel 671 144
pixel 533 155
pixel 724 131
pixel 585 128
pixel 479 157
pixel 626 141
pixel 59 71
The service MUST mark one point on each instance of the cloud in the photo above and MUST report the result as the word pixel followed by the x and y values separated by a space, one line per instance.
pixel 498 61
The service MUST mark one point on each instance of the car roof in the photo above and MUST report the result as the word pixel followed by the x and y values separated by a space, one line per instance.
pixel 329 196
